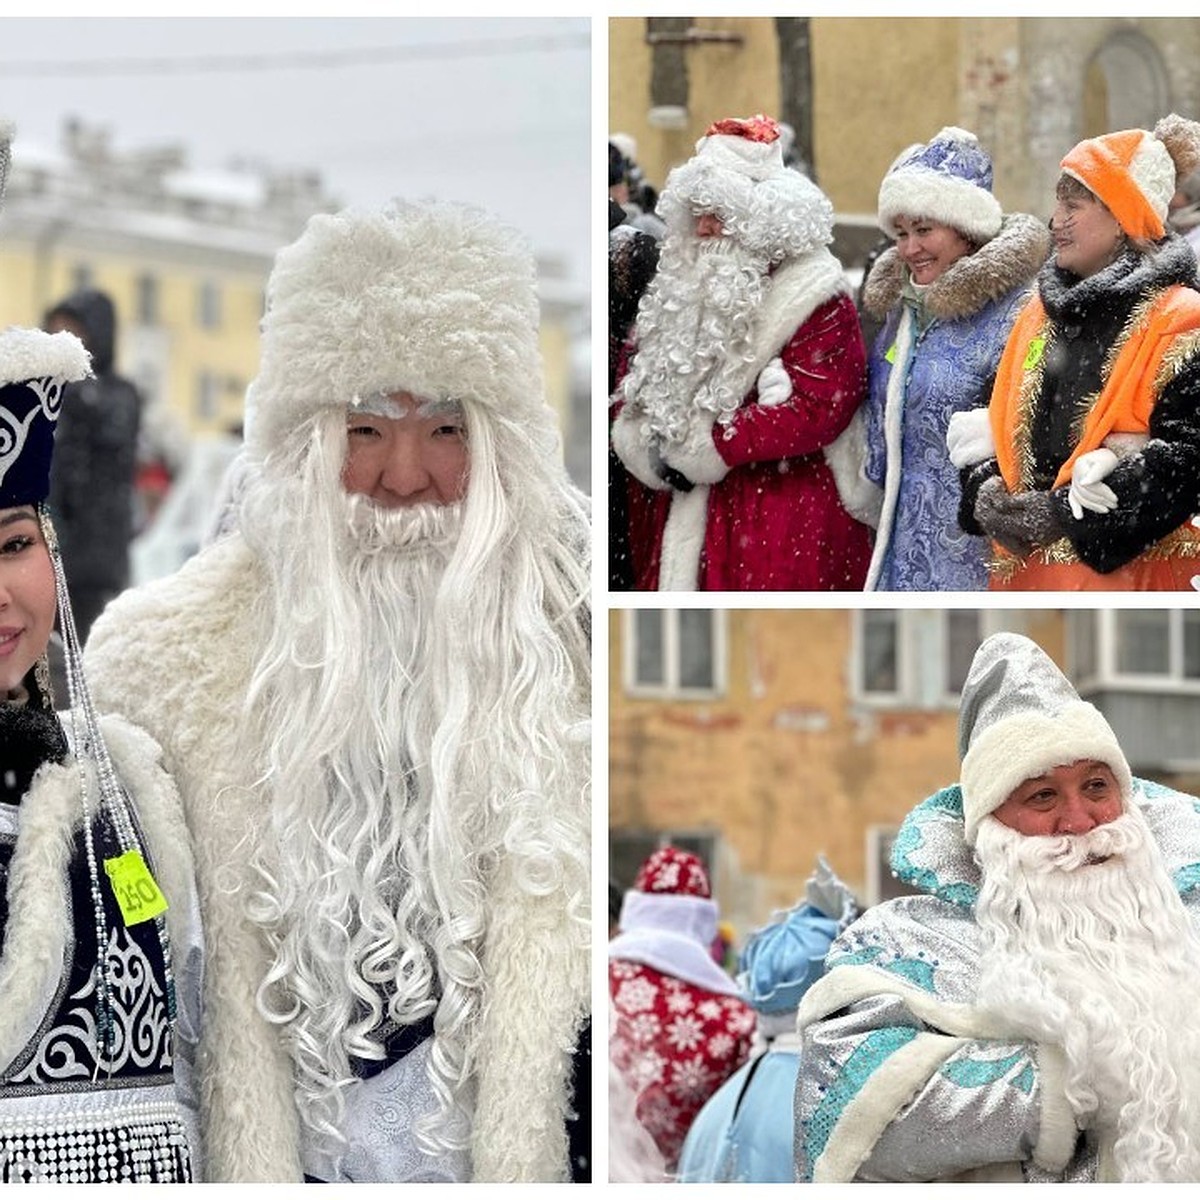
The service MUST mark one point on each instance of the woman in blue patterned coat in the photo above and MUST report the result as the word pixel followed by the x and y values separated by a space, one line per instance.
pixel 950 289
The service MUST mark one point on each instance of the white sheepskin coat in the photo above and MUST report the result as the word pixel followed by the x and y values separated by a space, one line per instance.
pixel 175 657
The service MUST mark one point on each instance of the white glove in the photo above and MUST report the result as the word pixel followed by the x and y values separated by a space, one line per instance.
pixel 969 438
pixel 697 458
pixel 1086 489
pixel 774 384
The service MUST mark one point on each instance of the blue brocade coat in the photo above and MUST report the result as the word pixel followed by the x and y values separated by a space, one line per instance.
pixel 917 379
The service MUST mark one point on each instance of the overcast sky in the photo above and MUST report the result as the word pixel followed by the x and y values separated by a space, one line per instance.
pixel 489 111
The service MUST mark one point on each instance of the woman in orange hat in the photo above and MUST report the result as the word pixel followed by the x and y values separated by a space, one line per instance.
pixel 1095 473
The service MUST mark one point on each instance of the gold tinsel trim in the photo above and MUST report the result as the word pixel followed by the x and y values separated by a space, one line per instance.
pixel 1183 348
pixel 1183 542
pixel 1031 387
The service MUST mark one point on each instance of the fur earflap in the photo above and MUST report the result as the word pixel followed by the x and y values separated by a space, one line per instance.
pixel 432 298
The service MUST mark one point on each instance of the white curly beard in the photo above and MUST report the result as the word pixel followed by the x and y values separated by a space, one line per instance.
pixel 1087 945
pixel 695 331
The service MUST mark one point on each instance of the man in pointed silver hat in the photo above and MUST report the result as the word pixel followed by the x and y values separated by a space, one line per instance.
pixel 1032 1016
pixel 374 696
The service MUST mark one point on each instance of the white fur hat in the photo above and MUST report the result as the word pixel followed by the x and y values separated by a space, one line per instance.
pixel 738 174
pixel 432 298
pixel 1020 717
pixel 948 180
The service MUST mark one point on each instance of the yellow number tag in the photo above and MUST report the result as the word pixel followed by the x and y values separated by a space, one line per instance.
pixel 134 887
pixel 1033 355
pixel 890 356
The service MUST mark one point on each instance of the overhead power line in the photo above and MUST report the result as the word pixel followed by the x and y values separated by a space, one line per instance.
pixel 298 60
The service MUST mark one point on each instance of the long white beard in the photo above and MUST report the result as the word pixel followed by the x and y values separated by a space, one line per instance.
pixel 1100 958
pixel 695 333
pixel 415 717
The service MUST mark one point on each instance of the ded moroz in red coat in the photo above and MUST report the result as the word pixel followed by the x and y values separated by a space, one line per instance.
pixel 776 521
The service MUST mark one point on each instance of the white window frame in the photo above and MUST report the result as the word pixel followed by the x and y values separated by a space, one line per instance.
pixel 1108 677
pixel 670 688
pixel 922 662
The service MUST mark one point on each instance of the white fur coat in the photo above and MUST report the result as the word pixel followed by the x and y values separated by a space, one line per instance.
pixel 174 655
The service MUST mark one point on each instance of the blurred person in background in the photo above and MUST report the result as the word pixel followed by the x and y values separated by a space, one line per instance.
pixel 680 1027
pixel 745 1133
pixel 95 464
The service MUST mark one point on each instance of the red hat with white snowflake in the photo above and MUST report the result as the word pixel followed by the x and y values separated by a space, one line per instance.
pixel 674 872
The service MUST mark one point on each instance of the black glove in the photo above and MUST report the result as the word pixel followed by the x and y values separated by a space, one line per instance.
pixel 1019 521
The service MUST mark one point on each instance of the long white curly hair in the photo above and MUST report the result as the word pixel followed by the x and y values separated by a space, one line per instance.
pixel 416 712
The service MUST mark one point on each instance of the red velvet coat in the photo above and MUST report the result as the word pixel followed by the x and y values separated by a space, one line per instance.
pixel 776 522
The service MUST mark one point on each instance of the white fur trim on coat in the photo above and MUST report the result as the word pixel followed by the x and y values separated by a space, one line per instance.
pixel 683 541
pixel 698 459
pixel 632 447
pixel 1027 744
pixel 893 433
pixel 847 458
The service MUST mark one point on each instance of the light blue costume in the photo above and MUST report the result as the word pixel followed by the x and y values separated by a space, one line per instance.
pixel 744 1134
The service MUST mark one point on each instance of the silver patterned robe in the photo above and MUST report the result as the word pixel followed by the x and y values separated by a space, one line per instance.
pixel 905 1079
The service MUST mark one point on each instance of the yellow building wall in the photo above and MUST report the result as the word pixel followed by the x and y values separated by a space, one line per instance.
pixel 725 80
pixel 785 765
pixel 229 351
pixel 879 85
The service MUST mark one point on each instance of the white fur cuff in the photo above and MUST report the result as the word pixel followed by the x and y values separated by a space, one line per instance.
pixel 698 458
pixel 847 456
pixel 1058 1133
pixel 634 450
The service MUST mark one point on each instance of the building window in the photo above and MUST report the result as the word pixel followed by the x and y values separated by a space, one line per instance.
pixel 918 658
pixel 1156 644
pixel 81 276
pixel 674 652
pixel 208 305
pixel 147 300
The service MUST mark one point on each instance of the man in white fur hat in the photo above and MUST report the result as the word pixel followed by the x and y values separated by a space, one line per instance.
pixel 374 699
pixel 1033 1017
pixel 747 364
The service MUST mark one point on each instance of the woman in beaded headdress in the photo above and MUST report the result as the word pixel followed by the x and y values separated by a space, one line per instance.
pixel 99 975
pixel 1091 475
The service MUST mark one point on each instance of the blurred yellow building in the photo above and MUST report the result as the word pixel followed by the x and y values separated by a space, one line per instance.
pixel 861 89
pixel 185 256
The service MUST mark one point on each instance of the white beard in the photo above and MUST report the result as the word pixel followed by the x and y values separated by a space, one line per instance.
pixel 695 330
pixel 1100 958
pixel 415 713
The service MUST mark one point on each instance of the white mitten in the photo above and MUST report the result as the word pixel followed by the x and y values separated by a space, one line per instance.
pixel 774 384
pixel 634 450
pixel 969 438
pixel 697 457
pixel 1086 489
